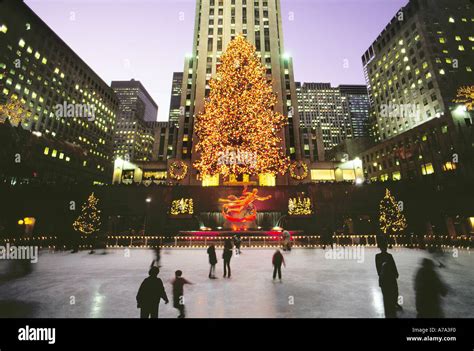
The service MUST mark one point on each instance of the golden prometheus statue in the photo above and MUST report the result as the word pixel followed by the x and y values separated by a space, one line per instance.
pixel 242 209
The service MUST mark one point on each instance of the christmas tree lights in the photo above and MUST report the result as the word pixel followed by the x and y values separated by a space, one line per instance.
pixel 465 95
pixel 391 218
pixel 88 221
pixel 238 117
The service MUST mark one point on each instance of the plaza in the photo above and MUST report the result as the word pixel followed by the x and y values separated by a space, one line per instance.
pixel 64 285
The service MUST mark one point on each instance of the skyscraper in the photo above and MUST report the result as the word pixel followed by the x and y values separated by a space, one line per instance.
pixel 41 72
pixel 217 23
pixel 415 66
pixel 175 103
pixel 359 106
pixel 134 134
pixel 325 107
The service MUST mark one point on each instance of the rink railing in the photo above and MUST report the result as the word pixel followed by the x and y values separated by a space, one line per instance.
pixel 299 241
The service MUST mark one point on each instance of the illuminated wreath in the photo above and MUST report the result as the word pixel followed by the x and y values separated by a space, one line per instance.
pixel 178 170
pixel 295 170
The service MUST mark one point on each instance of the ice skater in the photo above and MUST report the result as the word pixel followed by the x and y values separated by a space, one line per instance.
pixel 227 255
pixel 150 294
pixel 178 293
pixel 388 275
pixel 211 252
pixel 277 261
pixel 428 289
pixel 237 244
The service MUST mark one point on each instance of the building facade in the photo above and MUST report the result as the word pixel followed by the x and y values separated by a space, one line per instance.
pixel 327 108
pixel 217 23
pixel 359 107
pixel 134 131
pixel 415 66
pixel 175 103
pixel 165 135
pixel 63 98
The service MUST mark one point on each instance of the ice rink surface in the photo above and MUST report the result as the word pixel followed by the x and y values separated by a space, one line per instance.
pixel 314 285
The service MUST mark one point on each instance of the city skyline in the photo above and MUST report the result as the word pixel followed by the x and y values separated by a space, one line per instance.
pixel 151 55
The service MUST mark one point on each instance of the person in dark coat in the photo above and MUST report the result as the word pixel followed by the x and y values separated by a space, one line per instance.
pixel 227 255
pixel 428 290
pixel 178 292
pixel 237 244
pixel 150 293
pixel 277 261
pixel 211 251
pixel 388 275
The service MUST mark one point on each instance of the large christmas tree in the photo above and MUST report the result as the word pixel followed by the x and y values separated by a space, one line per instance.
pixel 392 221
pixel 239 130
pixel 88 221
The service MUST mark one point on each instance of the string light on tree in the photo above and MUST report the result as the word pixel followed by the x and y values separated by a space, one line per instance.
pixel 392 220
pixel 88 221
pixel 14 111
pixel 238 117
pixel 465 95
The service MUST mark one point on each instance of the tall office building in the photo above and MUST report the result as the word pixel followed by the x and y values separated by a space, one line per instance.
pixel 415 66
pixel 175 103
pixel 134 131
pixel 217 23
pixel 325 107
pixel 41 72
pixel 359 107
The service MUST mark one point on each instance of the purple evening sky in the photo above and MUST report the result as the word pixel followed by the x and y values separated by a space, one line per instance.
pixel 148 39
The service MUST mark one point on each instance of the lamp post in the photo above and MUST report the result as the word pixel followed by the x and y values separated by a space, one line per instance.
pixel 148 201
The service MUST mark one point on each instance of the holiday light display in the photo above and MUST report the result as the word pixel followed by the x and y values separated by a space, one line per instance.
pixel 300 206
pixel 14 111
pixel 298 170
pixel 465 95
pixel 182 207
pixel 238 117
pixel 392 220
pixel 88 221
pixel 178 170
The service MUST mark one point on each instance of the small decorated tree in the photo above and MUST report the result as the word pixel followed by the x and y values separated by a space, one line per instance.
pixel 392 220
pixel 88 222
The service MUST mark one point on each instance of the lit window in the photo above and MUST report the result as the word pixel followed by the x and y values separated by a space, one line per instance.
pixel 451 20
pixel 210 181
pixel 61 156
pixel 427 169
pixel 46 150
pixel 44 61
pixel 54 153
pixel 21 43
pixel 461 48
pixel 441 71
pixel 3 28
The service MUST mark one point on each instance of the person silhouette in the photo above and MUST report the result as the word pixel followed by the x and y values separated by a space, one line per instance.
pixel 388 275
pixel 277 261
pixel 227 255
pixel 178 292
pixel 428 291
pixel 211 251
pixel 150 293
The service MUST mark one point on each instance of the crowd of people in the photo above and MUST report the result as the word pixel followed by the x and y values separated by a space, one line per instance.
pixel 429 288
pixel 152 290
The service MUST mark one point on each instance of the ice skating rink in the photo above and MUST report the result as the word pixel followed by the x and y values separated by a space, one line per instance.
pixel 314 285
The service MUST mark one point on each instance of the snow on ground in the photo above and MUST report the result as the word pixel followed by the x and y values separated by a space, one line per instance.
pixel 95 286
